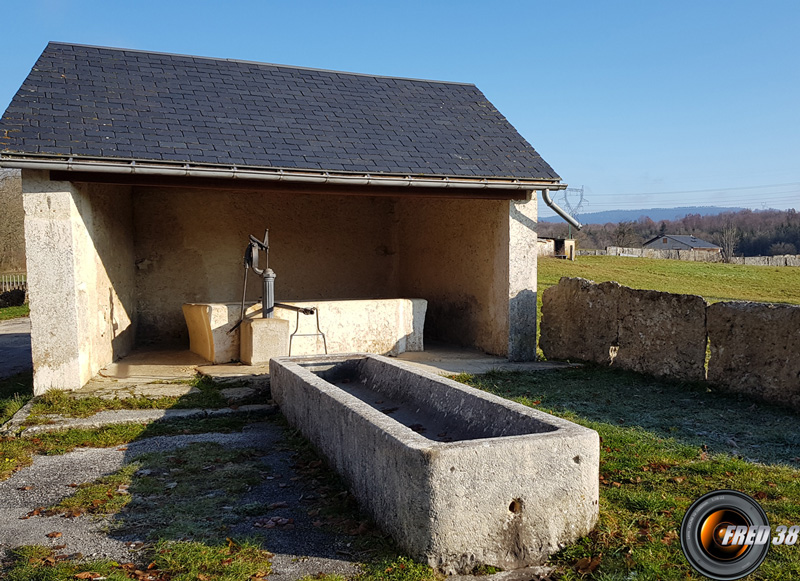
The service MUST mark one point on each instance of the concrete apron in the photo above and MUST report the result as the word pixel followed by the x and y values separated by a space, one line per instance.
pixel 159 373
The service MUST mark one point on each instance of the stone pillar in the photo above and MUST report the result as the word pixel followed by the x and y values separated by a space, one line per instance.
pixel 522 279
pixel 81 275
pixel 53 287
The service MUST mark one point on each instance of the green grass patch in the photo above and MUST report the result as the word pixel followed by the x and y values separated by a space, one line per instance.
pixel 396 569
pixel 67 404
pixel 171 561
pixel 16 453
pixel 190 493
pixel 14 312
pixel 192 561
pixel 654 464
pixel 713 281
pixel 689 413
pixel 15 391
pixel 107 495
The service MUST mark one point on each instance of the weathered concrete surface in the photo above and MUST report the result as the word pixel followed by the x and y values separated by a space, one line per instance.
pixel 262 339
pixel 651 332
pixel 511 486
pixel 662 334
pixel 522 280
pixel 15 346
pixel 79 244
pixel 384 326
pixel 321 247
pixel 755 349
pixel 455 254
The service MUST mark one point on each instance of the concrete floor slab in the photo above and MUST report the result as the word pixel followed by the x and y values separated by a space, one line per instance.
pixel 156 373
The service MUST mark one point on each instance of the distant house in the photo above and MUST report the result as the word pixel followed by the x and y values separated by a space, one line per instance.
pixel 682 242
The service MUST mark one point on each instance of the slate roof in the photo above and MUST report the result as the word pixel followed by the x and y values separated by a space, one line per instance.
pixel 98 102
pixel 690 241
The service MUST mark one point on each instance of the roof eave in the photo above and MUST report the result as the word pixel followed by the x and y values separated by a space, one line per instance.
pixel 290 175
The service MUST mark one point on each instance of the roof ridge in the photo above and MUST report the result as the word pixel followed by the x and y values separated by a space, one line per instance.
pixel 259 63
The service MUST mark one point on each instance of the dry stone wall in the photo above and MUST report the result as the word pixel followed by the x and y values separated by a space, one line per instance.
pixel 694 256
pixel 578 320
pixel 755 347
pixel 662 334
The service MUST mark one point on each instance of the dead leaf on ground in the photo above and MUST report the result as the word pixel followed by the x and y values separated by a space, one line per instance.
pixel 88 575
pixel 669 537
pixel 25 487
pixel 53 535
pixel 587 565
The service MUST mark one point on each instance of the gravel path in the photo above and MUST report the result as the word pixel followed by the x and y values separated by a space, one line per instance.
pixel 299 550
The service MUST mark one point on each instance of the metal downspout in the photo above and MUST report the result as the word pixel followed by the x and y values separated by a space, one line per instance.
pixel 558 210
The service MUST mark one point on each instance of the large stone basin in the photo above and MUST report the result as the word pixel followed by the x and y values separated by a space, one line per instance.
pixel 385 326
pixel 457 476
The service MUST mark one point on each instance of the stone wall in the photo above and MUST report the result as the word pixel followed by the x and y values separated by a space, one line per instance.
pixel 691 255
pixel 658 333
pixel 694 256
pixel 454 253
pixel 190 243
pixel 755 349
pixel 754 346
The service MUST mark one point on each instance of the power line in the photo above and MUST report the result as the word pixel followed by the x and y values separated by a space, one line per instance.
pixel 793 184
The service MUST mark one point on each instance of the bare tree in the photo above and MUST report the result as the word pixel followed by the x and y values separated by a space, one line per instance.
pixel 625 234
pixel 728 238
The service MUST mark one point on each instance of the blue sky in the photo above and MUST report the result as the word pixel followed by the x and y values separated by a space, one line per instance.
pixel 644 103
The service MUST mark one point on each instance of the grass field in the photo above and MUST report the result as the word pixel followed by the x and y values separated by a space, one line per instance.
pixel 14 312
pixel 714 282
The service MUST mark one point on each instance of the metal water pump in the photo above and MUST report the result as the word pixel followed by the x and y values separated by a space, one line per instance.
pixel 268 304
pixel 267 274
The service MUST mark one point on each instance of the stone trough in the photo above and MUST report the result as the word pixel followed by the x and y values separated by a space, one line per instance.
pixel 459 477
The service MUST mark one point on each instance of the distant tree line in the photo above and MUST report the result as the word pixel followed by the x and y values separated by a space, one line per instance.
pixel 742 233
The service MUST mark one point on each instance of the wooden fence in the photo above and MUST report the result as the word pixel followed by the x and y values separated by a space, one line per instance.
pixel 13 281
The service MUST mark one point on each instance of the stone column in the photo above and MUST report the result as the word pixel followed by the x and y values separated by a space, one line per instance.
pixel 81 274
pixel 522 252
pixel 52 282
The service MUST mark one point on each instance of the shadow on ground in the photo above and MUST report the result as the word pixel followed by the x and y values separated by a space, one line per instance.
pixel 687 412
pixel 257 486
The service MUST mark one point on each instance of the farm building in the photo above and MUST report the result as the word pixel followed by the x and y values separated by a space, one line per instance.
pixel 143 175
pixel 680 242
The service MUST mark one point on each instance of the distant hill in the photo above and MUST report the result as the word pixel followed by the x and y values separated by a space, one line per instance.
pixel 655 214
